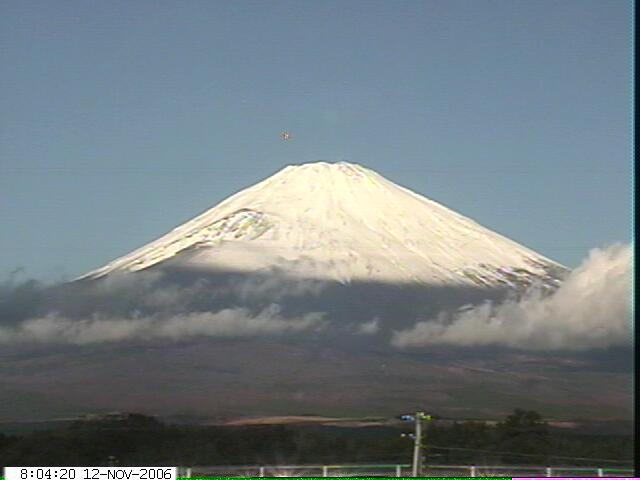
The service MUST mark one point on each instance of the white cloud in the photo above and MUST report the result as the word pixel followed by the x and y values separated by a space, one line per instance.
pixel 237 322
pixel 590 310
pixel 276 286
pixel 369 328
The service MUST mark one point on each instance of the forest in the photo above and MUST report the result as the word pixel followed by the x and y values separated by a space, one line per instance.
pixel 522 438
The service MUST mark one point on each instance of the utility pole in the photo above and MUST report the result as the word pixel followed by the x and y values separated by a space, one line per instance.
pixel 417 418
pixel 417 446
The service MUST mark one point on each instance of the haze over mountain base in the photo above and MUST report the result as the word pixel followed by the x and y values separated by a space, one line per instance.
pixel 263 377
pixel 230 346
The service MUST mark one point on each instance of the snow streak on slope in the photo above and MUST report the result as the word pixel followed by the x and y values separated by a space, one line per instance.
pixel 343 222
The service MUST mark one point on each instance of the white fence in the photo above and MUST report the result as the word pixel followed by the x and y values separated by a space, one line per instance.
pixel 401 470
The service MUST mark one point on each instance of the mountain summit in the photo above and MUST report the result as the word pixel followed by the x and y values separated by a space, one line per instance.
pixel 343 222
pixel 306 293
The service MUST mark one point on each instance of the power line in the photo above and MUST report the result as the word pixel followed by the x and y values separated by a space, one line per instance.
pixel 530 454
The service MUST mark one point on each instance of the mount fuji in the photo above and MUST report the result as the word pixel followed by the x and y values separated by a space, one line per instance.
pixel 283 300
pixel 343 222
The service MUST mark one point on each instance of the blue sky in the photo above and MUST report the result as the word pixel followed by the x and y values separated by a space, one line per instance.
pixel 121 120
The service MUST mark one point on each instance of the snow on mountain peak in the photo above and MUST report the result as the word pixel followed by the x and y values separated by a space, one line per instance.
pixel 342 221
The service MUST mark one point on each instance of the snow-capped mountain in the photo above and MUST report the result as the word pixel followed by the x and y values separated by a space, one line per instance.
pixel 346 223
pixel 286 298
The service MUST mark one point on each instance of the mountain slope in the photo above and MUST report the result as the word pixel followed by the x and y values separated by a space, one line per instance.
pixel 343 222
pixel 284 300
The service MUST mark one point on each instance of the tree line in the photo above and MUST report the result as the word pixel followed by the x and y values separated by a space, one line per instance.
pixel 522 438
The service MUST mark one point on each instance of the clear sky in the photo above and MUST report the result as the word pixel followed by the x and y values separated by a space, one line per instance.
pixel 122 119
